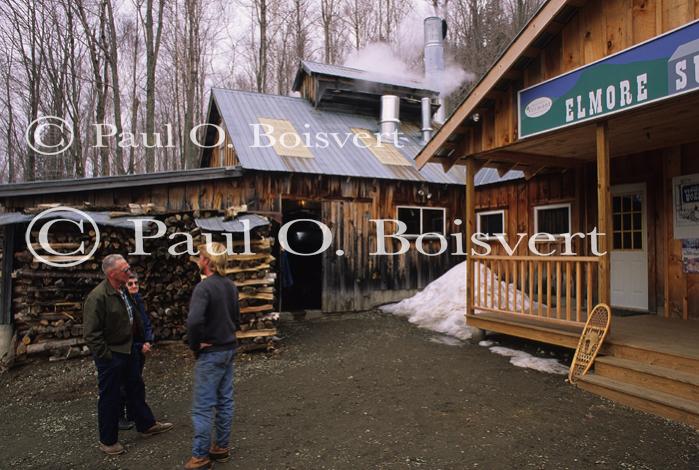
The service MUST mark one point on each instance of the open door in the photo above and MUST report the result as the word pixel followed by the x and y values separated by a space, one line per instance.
pixel 301 276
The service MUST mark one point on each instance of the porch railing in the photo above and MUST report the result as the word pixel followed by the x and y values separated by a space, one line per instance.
pixel 555 288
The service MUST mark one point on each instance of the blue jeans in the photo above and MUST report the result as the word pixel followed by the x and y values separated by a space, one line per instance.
pixel 213 389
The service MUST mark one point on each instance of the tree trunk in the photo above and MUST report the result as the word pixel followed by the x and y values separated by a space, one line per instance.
pixel 113 57
pixel 153 33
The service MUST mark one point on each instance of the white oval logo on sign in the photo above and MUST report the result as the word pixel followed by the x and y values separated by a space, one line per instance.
pixel 538 107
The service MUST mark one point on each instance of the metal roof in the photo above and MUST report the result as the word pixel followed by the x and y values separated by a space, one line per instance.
pixel 491 175
pixel 100 218
pixel 114 182
pixel 356 74
pixel 240 111
pixel 217 224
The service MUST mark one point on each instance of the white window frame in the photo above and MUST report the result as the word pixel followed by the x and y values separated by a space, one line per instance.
pixel 566 205
pixel 420 208
pixel 489 212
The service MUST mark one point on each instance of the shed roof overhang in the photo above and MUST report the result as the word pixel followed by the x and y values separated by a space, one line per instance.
pixel 106 183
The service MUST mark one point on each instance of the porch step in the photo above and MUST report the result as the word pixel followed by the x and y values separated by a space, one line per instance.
pixel 642 398
pixel 670 360
pixel 532 329
pixel 654 377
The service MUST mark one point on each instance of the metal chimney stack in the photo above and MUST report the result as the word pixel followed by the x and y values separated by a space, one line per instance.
pixel 426 108
pixel 435 31
pixel 390 118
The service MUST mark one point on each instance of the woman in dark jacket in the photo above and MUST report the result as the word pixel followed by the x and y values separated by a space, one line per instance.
pixel 143 344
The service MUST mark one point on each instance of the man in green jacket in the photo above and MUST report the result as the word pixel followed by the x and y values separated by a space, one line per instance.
pixel 112 328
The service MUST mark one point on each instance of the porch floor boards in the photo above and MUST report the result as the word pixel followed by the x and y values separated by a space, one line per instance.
pixel 649 332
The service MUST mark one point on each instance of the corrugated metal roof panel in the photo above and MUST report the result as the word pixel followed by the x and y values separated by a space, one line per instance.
pixel 113 182
pixel 330 138
pixel 217 224
pixel 364 75
pixel 100 218
pixel 337 154
pixel 490 176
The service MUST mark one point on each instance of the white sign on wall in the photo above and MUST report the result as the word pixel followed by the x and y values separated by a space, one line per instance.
pixel 685 196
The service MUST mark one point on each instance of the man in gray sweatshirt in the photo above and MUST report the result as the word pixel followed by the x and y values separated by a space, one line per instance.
pixel 214 317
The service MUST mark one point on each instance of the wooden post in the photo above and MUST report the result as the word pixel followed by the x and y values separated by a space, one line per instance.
pixel 676 302
pixel 470 229
pixel 604 204
pixel 8 248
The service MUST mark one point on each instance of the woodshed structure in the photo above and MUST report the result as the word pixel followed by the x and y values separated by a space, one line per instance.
pixel 596 102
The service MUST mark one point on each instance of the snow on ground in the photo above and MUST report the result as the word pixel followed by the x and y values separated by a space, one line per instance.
pixel 447 340
pixel 441 306
pixel 526 360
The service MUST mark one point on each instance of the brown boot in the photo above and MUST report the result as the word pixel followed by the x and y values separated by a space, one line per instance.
pixel 219 454
pixel 114 449
pixel 157 428
pixel 197 463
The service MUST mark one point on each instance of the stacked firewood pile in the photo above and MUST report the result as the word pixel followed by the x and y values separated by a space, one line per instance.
pixel 47 301
pixel 254 277
pixel 167 280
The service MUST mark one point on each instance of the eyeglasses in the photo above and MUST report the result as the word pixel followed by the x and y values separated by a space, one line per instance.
pixel 132 283
pixel 126 269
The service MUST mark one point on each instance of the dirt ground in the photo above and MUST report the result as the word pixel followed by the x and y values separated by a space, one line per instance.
pixel 360 391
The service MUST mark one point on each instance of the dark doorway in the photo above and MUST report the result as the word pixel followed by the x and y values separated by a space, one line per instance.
pixel 301 276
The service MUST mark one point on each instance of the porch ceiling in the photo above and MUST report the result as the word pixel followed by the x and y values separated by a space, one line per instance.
pixel 671 122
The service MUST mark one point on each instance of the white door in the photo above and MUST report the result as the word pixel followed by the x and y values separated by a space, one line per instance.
pixel 629 256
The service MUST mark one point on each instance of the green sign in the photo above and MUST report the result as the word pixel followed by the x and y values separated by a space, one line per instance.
pixel 657 69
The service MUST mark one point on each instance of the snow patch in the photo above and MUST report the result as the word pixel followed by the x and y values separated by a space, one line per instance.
pixel 447 340
pixel 440 306
pixel 526 360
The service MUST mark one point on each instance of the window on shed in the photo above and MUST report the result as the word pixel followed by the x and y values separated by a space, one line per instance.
pixel 553 219
pixel 421 220
pixel 491 223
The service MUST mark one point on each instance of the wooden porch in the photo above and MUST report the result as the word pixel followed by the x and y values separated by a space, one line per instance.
pixel 648 362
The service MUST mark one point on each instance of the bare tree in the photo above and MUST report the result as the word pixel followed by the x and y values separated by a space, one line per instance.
pixel 329 19
pixel 192 44
pixel 24 18
pixel 95 38
pixel 520 11
pixel 75 86
pixel 300 31
pixel 152 29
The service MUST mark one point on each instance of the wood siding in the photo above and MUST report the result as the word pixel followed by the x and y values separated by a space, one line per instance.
pixel 355 281
pixel 225 154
